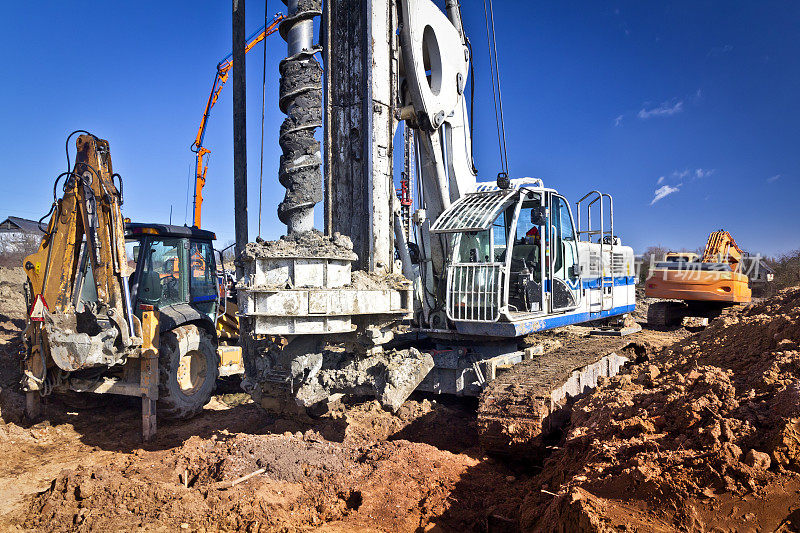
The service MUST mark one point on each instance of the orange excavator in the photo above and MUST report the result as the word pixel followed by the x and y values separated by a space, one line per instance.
pixel 200 151
pixel 698 286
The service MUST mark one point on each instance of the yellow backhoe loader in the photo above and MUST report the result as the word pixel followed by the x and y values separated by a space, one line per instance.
pixel 97 278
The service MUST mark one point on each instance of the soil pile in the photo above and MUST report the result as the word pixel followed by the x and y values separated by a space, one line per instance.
pixel 707 433
pixel 305 478
pixel 642 305
pixel 367 281
pixel 12 301
pixel 702 434
pixel 307 244
pixel 12 321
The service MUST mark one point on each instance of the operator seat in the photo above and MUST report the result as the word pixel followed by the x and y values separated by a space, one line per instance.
pixel 525 277
pixel 150 287
pixel 526 255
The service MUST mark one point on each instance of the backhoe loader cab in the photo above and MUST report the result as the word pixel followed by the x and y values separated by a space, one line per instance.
pixel 519 263
pixel 173 270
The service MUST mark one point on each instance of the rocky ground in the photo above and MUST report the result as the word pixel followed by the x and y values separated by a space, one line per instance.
pixel 703 434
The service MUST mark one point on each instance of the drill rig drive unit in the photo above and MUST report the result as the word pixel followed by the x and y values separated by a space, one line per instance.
pixel 491 263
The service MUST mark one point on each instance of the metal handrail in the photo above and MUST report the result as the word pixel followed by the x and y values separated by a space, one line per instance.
pixel 588 232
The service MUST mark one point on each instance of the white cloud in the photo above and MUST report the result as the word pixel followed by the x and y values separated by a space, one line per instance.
pixel 703 173
pixel 719 50
pixel 678 177
pixel 664 110
pixel 688 173
pixel 774 178
pixel 664 191
pixel 618 121
pixel 680 174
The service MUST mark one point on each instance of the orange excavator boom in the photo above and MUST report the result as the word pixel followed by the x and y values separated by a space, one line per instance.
pixel 722 248
pixel 220 78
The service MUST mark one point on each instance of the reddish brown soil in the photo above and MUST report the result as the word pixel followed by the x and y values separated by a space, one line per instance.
pixel 704 435
pixel 359 468
pixel 346 472
pixel 664 447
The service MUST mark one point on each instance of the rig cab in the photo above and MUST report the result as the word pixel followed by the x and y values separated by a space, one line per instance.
pixel 518 262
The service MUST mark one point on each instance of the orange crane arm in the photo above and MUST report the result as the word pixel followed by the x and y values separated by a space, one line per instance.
pixel 220 78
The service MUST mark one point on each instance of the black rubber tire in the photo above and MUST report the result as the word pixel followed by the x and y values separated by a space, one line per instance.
pixel 173 402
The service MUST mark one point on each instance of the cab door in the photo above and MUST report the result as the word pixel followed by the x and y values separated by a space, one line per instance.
pixel 562 250
pixel 202 273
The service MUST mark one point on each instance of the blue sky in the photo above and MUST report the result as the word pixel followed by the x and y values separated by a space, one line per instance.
pixel 685 111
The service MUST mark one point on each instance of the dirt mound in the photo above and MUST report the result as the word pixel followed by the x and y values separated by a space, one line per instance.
pixel 642 305
pixel 703 434
pixel 12 301
pixel 376 281
pixel 307 481
pixel 447 428
pixel 308 244
pixel 12 322
pixel 714 418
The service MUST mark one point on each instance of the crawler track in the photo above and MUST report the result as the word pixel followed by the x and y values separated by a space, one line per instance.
pixel 528 400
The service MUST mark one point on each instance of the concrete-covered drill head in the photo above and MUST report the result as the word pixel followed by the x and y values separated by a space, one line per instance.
pixel 301 100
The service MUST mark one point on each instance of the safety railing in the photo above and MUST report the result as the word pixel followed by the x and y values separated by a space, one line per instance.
pixel 474 291
pixel 606 237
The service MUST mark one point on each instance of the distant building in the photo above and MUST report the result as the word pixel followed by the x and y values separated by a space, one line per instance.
pixel 19 236
pixel 20 225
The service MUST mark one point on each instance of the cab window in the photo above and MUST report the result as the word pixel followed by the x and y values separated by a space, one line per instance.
pixel 475 247
pixel 160 282
pixel 202 275
pixel 527 250
pixel 499 232
pixel 132 248
pixel 525 226
pixel 565 251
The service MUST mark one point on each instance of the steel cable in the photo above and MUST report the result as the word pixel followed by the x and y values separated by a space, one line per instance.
pixel 494 71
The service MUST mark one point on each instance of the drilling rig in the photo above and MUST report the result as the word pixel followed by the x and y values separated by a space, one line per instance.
pixel 352 311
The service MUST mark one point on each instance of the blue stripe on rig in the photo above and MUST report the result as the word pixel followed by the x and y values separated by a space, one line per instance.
pixel 621 281
pixel 594 283
pixel 524 327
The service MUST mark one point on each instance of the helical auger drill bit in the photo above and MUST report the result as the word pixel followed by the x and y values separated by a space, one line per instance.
pixel 301 100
